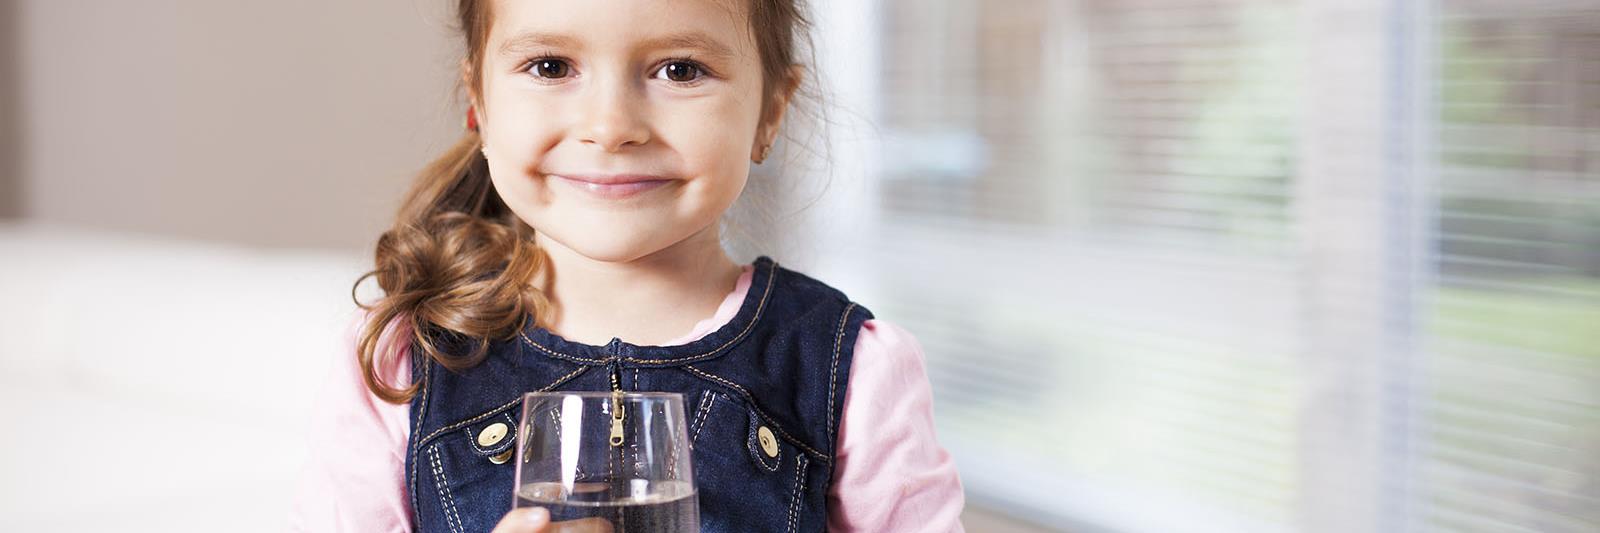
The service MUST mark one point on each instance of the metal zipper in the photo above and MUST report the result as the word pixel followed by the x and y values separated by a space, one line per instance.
pixel 617 411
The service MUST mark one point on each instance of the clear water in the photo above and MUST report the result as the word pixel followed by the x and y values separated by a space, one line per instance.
pixel 626 506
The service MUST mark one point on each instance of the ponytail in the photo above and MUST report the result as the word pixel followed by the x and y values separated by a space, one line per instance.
pixel 455 270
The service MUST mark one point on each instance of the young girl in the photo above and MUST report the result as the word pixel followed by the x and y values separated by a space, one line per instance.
pixel 570 242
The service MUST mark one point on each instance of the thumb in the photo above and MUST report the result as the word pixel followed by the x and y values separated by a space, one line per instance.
pixel 525 520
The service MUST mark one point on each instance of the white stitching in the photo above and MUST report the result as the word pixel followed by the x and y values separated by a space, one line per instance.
pixel 706 402
pixel 507 405
pixel 752 401
pixel 470 421
pixel 446 501
pixel 833 371
pixel 422 413
pixel 499 446
pixel 799 487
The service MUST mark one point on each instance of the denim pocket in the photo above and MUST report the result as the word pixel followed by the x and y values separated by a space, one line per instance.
pixel 748 474
pixel 493 437
pixel 465 474
pixel 697 419
pixel 737 421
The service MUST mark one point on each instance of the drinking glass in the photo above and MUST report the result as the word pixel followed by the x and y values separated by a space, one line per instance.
pixel 607 461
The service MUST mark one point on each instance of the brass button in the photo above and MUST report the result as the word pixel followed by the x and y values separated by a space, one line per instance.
pixel 768 443
pixel 502 458
pixel 492 435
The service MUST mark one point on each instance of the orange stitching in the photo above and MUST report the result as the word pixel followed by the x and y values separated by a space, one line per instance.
pixel 541 347
pixel 765 293
pixel 833 370
pixel 491 412
pixel 752 400
pixel 760 306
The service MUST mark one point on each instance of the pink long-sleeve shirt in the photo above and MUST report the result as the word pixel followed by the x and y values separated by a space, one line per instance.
pixel 890 473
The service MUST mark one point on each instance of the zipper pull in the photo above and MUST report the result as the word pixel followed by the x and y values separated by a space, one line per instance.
pixel 617 415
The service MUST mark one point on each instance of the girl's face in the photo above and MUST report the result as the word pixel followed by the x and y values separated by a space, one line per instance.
pixel 581 91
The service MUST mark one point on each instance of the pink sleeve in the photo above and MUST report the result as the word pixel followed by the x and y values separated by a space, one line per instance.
pixel 890 473
pixel 354 477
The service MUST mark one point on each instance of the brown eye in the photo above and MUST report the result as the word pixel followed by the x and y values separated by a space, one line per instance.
pixel 550 68
pixel 681 72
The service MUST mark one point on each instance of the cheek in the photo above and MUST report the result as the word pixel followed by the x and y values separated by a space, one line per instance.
pixel 514 146
pixel 717 135
pixel 524 196
pixel 511 130
pixel 512 110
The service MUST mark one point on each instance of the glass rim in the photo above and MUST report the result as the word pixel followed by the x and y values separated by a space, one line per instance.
pixel 604 394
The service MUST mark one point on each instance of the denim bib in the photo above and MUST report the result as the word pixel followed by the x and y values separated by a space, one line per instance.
pixel 777 371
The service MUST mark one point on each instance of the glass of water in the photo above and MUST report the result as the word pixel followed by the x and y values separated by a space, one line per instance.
pixel 607 461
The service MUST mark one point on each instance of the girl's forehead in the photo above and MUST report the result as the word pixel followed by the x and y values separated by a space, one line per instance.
pixel 716 25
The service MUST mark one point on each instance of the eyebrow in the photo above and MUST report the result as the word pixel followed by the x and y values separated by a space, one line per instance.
pixel 529 40
pixel 691 40
pixel 694 40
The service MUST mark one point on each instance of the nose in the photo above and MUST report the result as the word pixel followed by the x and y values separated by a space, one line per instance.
pixel 612 116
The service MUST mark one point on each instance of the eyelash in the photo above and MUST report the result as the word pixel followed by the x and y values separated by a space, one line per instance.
pixel 698 66
pixel 529 65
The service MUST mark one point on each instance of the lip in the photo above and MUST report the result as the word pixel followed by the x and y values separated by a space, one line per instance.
pixel 612 186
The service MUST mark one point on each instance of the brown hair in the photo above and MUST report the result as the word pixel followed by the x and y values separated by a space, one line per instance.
pixel 456 267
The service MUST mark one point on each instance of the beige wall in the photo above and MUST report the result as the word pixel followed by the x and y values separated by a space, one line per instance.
pixel 284 123
pixel 10 182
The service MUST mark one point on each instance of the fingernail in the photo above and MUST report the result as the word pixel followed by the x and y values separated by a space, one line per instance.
pixel 538 516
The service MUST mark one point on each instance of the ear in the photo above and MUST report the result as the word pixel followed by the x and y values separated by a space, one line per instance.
pixel 778 103
pixel 470 86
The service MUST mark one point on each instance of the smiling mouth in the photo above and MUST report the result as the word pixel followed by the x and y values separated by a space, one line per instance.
pixel 613 187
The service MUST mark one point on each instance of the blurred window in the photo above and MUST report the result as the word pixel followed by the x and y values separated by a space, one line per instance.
pixel 1252 265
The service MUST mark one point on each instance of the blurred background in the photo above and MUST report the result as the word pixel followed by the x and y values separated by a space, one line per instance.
pixel 1177 265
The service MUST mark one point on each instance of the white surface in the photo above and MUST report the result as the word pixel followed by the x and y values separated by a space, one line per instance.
pixel 150 384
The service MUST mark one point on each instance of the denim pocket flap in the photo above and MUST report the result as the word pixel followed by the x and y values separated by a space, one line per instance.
pixel 494 435
pixel 765 448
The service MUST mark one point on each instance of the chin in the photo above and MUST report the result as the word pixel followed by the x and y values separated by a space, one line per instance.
pixel 612 249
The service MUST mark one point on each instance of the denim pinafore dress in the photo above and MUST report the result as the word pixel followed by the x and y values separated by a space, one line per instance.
pixel 778 368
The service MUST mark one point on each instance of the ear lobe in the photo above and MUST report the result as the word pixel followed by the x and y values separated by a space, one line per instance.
pixel 756 149
pixel 772 119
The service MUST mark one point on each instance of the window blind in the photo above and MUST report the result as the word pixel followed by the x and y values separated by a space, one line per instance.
pixel 1512 417
pixel 1247 265
pixel 1104 188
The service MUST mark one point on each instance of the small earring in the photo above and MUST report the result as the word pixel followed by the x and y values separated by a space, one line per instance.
pixel 762 157
pixel 472 119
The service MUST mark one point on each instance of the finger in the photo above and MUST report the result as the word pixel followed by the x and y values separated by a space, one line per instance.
pixel 587 525
pixel 525 520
